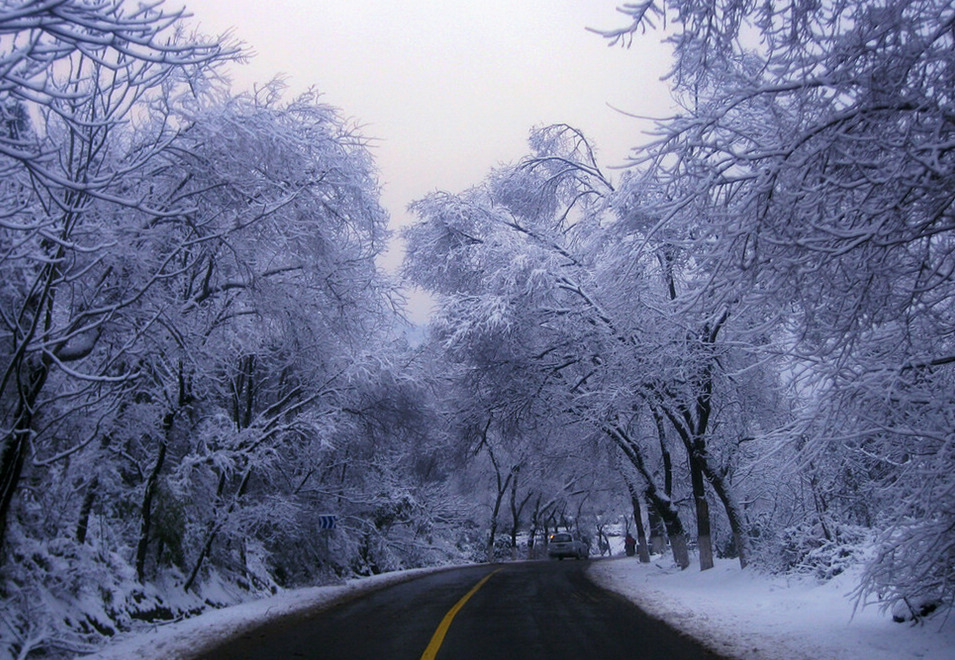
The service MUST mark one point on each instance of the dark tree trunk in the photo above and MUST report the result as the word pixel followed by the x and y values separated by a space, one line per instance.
pixel 658 542
pixel 82 524
pixel 703 537
pixel 691 432
pixel 534 526
pixel 497 509
pixel 502 486
pixel 516 510
pixel 152 481
pixel 11 468
pixel 657 528
pixel 665 452
pixel 149 491
pixel 214 528
pixel 677 537
pixel 662 503
pixel 733 513
pixel 14 448
pixel 643 552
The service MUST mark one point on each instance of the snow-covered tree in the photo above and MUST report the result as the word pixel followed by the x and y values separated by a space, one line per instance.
pixel 279 294
pixel 74 76
pixel 813 148
pixel 196 332
pixel 513 263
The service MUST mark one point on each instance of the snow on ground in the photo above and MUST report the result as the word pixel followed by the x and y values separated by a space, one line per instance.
pixel 753 616
pixel 188 638
pixel 742 614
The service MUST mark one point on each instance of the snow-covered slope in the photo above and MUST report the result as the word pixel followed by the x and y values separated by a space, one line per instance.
pixel 185 639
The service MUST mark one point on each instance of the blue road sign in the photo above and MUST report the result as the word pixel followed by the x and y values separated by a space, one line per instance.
pixel 327 521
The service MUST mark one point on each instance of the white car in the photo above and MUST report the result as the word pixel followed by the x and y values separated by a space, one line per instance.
pixel 565 544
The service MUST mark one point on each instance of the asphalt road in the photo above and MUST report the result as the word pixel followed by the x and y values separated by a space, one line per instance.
pixel 524 611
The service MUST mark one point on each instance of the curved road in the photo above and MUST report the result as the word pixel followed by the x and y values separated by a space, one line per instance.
pixel 524 610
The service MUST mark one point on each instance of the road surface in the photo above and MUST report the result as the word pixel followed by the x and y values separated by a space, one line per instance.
pixel 522 610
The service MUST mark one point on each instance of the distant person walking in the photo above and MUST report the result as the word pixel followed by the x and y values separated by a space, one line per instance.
pixel 630 545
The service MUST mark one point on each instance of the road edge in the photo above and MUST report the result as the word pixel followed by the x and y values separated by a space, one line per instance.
pixel 605 583
pixel 192 637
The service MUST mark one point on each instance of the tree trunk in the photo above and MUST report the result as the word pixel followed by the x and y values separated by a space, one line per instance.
pixel 516 510
pixel 692 432
pixel 14 447
pixel 489 551
pixel 664 451
pixel 11 468
pixel 642 550
pixel 703 538
pixel 681 555
pixel 733 513
pixel 502 485
pixel 657 528
pixel 700 467
pixel 662 503
pixel 149 491
pixel 82 524
pixel 214 530
pixel 535 524
pixel 658 542
pixel 497 509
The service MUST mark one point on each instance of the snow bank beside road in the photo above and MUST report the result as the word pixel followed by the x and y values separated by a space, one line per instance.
pixel 185 639
pixel 752 616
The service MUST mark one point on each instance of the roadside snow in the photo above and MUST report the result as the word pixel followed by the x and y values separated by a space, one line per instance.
pixel 752 616
pixel 188 638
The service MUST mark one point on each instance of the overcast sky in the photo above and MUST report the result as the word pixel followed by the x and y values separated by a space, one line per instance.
pixel 451 88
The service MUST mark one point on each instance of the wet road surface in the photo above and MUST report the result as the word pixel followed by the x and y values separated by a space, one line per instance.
pixel 524 611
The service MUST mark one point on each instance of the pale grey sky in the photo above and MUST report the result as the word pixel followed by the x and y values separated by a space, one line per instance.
pixel 450 88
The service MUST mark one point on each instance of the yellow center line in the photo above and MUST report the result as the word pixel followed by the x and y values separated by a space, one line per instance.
pixel 432 651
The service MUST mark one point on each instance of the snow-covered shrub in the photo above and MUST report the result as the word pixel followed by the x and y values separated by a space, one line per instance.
pixel 905 609
pixel 471 543
pixel 823 550
pixel 64 597
pixel 913 570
